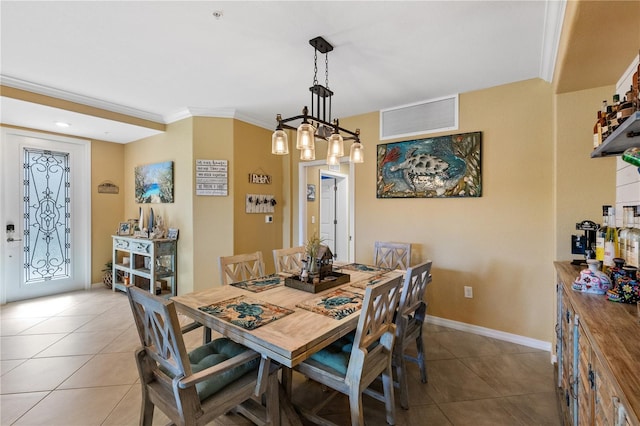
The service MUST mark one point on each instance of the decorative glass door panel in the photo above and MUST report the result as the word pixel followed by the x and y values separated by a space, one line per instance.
pixel 47 215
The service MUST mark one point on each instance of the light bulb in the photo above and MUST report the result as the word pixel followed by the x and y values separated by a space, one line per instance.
pixel 279 143
pixel 357 153
pixel 306 138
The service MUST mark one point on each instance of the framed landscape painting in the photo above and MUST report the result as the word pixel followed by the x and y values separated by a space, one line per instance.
pixel 439 167
pixel 154 183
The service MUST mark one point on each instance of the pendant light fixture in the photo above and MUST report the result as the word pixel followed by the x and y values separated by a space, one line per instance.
pixel 318 124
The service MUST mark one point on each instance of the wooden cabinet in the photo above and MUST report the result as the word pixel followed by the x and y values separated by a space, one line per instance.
pixel 148 264
pixel 598 356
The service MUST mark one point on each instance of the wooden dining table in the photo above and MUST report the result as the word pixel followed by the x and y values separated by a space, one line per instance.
pixel 292 338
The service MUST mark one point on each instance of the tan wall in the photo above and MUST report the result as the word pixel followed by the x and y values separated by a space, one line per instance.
pixel 582 184
pixel 107 164
pixel 173 145
pixel 502 243
pixel 252 154
pixel 212 215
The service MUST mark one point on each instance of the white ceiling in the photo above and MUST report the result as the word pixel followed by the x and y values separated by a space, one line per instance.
pixel 166 60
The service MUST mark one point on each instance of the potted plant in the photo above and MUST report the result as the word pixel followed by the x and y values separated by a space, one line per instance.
pixel 107 277
pixel 312 248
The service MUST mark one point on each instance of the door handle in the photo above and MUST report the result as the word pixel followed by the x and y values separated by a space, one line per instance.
pixel 11 239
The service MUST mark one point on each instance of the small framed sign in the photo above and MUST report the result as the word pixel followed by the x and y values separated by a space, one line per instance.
pixel 172 234
pixel 124 228
pixel 311 192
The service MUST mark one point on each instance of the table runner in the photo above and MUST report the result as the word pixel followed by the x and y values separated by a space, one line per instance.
pixel 260 284
pixel 338 304
pixel 246 312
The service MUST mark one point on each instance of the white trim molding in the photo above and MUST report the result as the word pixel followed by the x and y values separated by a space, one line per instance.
pixel 553 20
pixel 488 332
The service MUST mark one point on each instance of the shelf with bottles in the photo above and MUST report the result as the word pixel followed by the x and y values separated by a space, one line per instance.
pixel 618 125
pixel 627 135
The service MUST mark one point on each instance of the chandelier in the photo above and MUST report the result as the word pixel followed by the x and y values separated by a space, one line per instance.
pixel 318 124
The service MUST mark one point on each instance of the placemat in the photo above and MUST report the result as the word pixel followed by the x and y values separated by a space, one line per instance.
pixel 338 304
pixel 260 284
pixel 363 268
pixel 369 281
pixel 246 312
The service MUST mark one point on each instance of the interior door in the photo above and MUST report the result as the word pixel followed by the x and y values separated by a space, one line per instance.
pixel 328 222
pixel 46 215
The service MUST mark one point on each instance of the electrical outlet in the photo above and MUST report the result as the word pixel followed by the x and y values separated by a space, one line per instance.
pixel 268 218
pixel 468 292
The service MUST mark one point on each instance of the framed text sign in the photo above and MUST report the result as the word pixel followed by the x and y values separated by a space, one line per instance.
pixel 212 177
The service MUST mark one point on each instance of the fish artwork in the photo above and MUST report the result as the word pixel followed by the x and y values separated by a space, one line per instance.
pixel 426 172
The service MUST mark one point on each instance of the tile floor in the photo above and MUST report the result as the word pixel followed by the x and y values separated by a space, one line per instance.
pixel 68 360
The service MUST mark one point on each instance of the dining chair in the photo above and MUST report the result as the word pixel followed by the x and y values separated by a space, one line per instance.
pixel 409 320
pixel 392 255
pixel 349 365
pixel 241 267
pixel 288 259
pixel 196 387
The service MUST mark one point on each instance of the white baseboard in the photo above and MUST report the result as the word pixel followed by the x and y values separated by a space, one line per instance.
pixel 488 332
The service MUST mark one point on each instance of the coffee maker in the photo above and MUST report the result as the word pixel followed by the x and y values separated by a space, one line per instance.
pixel 584 244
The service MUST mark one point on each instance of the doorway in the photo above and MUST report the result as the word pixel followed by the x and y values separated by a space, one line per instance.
pixel 311 209
pixel 334 213
pixel 46 215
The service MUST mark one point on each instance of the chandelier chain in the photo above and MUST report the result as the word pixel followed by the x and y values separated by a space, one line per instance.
pixel 315 67
pixel 326 70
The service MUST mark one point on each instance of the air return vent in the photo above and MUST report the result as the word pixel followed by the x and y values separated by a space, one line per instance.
pixel 434 115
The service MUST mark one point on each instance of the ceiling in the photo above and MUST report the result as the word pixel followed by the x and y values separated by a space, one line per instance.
pixel 161 61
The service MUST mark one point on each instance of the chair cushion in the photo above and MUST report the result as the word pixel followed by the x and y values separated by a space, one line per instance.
pixel 214 353
pixel 335 356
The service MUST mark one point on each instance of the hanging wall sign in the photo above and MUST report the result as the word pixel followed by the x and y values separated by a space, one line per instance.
pixel 212 177
pixel 259 178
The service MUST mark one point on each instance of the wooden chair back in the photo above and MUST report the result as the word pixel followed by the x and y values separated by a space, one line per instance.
pixel 241 267
pixel 409 320
pixel 392 255
pixel 375 324
pixel 159 331
pixel 288 259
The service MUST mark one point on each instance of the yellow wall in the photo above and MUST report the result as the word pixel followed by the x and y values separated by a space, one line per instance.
pixel 582 184
pixel 107 164
pixel 252 154
pixel 173 145
pixel 502 243
pixel 212 215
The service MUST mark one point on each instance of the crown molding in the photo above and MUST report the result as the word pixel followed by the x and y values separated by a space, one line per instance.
pixel 553 20
pixel 216 113
pixel 40 89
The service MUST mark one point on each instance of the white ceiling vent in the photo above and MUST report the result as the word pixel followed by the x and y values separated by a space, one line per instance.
pixel 434 115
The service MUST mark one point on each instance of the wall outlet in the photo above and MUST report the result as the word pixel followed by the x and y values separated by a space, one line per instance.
pixel 468 292
pixel 268 218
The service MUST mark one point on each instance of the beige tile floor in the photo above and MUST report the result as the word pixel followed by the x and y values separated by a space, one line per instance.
pixel 68 360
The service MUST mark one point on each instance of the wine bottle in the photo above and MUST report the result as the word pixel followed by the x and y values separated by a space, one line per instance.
pixel 623 232
pixel 610 241
pixel 597 132
pixel 601 233
pixel 603 121
pixel 612 119
pixel 633 251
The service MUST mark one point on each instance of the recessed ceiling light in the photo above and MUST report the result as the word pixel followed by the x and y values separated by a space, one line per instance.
pixel 62 124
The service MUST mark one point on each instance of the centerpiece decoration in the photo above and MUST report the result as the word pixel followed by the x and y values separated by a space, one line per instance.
pixel 317 272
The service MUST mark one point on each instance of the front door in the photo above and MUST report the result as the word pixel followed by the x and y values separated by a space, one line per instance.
pixel 46 214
